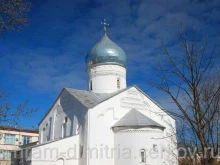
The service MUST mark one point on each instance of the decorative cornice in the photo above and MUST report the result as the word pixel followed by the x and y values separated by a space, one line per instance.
pixel 105 73
pixel 138 131
pixel 103 64
pixel 134 100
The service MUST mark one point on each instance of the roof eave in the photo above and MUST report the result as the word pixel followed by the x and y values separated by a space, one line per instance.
pixel 51 106
pixel 140 126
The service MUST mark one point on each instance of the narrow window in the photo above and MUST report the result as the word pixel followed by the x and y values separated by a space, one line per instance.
pixel 54 121
pixel 49 131
pixel 90 85
pixel 46 133
pixel 43 135
pixel 66 120
pixel 81 151
pixel 64 130
pixel 155 148
pixel 118 83
pixel 143 156
pixel 64 127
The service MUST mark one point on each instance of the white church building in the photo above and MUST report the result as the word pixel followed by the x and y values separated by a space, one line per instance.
pixel 108 124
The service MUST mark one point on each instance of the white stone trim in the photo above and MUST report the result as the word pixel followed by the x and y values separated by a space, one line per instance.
pixel 105 73
pixel 138 131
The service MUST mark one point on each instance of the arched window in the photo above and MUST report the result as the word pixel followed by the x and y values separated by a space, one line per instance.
pixel 49 129
pixel 143 156
pixel 118 83
pixel 64 130
pixel 64 127
pixel 155 148
pixel 54 121
pixel 46 133
pixel 90 85
pixel 43 135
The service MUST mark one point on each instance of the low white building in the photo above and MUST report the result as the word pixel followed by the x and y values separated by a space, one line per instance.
pixel 110 124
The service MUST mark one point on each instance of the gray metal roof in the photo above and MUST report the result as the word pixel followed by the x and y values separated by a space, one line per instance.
pixel 136 118
pixel 90 99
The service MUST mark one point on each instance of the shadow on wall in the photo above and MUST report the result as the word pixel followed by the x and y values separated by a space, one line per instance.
pixel 74 112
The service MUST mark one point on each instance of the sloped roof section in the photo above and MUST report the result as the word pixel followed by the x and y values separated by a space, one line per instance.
pixel 90 99
pixel 136 118
pixel 87 98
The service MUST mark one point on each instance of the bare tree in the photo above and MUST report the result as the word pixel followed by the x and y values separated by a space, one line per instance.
pixel 13 15
pixel 191 79
pixel 12 114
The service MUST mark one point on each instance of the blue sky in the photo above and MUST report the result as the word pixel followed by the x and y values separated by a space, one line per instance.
pixel 36 63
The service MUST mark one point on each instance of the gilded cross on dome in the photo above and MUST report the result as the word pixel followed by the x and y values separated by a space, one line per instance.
pixel 104 23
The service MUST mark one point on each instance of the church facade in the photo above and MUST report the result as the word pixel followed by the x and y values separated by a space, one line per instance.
pixel 109 124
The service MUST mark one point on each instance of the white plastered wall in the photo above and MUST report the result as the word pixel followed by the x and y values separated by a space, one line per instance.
pixel 66 106
pixel 103 78
pixel 133 141
pixel 103 116
pixel 66 150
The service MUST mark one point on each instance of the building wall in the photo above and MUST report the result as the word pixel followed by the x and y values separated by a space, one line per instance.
pixel 13 147
pixel 95 133
pixel 18 136
pixel 106 114
pixel 132 142
pixel 52 153
pixel 66 107
pixel 103 78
